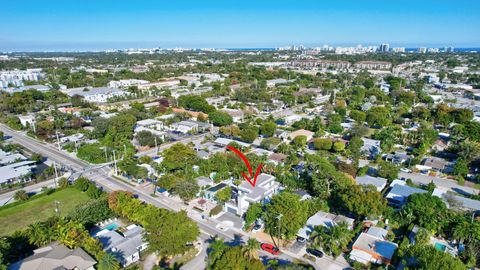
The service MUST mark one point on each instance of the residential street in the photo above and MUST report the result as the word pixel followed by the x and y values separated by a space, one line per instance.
pixel 103 178
pixel 439 182
pixel 6 198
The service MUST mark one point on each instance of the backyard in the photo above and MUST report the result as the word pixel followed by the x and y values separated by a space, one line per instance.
pixel 38 209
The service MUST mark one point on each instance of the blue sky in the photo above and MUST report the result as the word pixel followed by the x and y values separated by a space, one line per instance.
pixel 88 24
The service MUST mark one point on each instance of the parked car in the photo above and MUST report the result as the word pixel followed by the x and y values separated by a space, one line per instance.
pixel 301 239
pixel 315 252
pixel 257 228
pixel 405 170
pixel 270 248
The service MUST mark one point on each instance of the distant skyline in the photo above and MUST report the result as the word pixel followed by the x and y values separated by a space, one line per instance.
pixel 59 25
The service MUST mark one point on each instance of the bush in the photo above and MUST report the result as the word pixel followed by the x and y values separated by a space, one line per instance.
pixel 93 191
pixel 220 118
pixel 63 182
pixel 92 212
pixel 91 153
pixel 322 144
pixel 82 184
pixel 339 146
pixel 216 210
pixel 21 195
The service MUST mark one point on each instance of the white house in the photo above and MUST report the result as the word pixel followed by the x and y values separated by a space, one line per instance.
pixel 26 120
pixel 264 189
pixel 189 126
pixel 125 246
pixel 16 172
pixel 323 219
pixel 126 83
pixel 378 182
pixel 96 95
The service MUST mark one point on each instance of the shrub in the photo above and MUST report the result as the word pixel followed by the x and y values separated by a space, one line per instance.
pixel 63 182
pixel 322 144
pixel 82 184
pixel 216 210
pixel 21 195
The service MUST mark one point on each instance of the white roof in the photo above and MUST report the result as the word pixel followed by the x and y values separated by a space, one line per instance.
pixel 225 141
pixel 378 182
pixel 322 219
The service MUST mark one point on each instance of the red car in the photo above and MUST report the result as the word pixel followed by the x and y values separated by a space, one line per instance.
pixel 270 248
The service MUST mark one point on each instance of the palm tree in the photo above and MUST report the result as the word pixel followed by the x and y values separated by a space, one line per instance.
pixel 108 262
pixel 251 248
pixel 216 249
pixel 465 230
pixel 21 195
pixel 40 234
pixel 333 239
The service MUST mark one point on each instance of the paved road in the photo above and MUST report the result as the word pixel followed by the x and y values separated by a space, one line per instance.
pixel 101 175
pixel 439 182
pixel 6 198
pixel 153 151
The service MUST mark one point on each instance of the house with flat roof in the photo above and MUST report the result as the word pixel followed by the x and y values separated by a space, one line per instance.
pixel 26 120
pixel 17 172
pixel 95 94
pixel 263 191
pixel 10 157
pixel 323 219
pixel 189 126
pixel 372 247
pixel 212 191
pixel 223 142
pixel 151 125
pixel 125 245
pixel 399 192
pixel 378 182
pixel 56 256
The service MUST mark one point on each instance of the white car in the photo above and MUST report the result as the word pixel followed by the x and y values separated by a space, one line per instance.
pixel 257 228
pixel 405 170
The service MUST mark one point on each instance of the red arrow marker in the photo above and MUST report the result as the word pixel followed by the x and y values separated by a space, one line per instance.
pixel 249 167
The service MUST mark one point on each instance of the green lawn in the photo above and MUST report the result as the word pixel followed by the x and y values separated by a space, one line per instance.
pixel 20 216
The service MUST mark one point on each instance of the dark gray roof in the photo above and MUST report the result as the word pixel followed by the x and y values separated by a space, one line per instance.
pixel 55 256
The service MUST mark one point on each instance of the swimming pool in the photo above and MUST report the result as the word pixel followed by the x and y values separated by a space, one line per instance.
pixel 112 226
pixel 440 246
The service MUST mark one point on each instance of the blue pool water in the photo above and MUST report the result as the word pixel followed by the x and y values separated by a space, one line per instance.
pixel 440 246
pixel 111 226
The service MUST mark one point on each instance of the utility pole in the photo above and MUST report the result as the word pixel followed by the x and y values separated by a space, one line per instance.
pixel 106 156
pixel 58 140
pixel 279 227
pixel 34 128
pixel 57 208
pixel 56 173
pixel 115 163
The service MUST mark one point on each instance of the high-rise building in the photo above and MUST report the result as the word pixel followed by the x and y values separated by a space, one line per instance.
pixel 422 50
pixel 385 47
pixel 450 49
